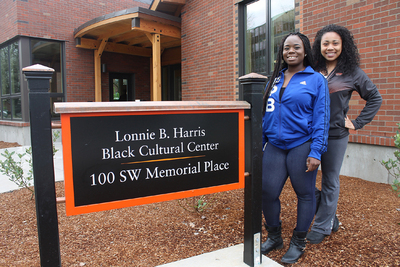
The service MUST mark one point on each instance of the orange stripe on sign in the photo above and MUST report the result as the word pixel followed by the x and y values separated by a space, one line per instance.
pixel 157 160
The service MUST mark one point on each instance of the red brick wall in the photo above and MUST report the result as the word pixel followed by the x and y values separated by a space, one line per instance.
pixel 56 19
pixel 208 56
pixel 8 15
pixel 375 25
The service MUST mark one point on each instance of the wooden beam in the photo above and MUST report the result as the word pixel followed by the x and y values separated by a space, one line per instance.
pixel 149 36
pixel 126 36
pixel 88 43
pixel 139 40
pixel 177 2
pixel 116 48
pixel 97 70
pixel 102 23
pixel 155 4
pixel 156 66
pixel 151 78
pixel 155 27
pixel 102 46
pixel 97 76
pixel 159 20
pixel 178 11
pixel 170 44
pixel 129 50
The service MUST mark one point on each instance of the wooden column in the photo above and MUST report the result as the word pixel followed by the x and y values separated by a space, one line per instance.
pixel 97 76
pixel 156 66
pixel 97 70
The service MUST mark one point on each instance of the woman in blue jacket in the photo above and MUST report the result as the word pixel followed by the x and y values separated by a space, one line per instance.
pixel 295 134
pixel 337 58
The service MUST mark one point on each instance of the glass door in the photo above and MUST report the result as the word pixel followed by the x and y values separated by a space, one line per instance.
pixel 121 87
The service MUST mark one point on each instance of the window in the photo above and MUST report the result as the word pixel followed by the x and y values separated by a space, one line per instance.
pixel 49 54
pixel 256 37
pixel 22 52
pixel 265 23
pixel 282 23
pixel 10 82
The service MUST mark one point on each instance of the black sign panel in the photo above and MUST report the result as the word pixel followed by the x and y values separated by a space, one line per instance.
pixel 132 156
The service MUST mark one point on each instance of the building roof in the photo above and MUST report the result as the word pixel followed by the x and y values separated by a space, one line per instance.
pixel 127 31
pixel 171 7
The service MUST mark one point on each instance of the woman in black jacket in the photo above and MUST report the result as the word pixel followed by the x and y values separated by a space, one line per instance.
pixel 337 59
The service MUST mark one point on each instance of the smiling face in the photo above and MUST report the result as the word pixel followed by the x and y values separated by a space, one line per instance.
pixel 293 51
pixel 331 46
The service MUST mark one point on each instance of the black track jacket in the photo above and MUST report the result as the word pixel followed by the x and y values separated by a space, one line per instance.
pixel 341 87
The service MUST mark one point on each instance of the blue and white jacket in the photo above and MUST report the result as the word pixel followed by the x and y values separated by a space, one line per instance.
pixel 301 115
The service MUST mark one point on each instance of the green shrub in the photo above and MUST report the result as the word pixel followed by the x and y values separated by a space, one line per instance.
pixel 198 204
pixel 14 168
pixel 393 165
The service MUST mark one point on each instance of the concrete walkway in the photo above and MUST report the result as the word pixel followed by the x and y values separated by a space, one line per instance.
pixel 227 257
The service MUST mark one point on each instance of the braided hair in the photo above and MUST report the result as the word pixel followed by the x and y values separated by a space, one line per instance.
pixel 349 58
pixel 280 64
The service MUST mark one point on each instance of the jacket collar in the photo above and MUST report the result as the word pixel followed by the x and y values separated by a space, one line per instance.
pixel 308 70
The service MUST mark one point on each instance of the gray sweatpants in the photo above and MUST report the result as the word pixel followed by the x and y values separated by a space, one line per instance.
pixel 327 197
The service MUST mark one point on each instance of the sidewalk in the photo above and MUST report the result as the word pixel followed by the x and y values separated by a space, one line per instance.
pixel 6 185
pixel 226 257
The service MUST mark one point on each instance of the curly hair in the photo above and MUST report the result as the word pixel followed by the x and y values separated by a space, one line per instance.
pixel 347 60
pixel 281 64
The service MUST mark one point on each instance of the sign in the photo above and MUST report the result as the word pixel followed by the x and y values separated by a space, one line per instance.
pixel 120 159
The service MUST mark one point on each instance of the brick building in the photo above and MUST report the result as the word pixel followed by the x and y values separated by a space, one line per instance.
pixel 101 50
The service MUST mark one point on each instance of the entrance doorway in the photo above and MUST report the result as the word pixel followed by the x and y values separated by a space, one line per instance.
pixel 121 87
pixel 171 83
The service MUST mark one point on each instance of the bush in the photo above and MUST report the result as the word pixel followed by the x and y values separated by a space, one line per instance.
pixel 14 168
pixel 393 165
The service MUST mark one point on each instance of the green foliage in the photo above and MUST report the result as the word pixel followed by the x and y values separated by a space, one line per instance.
pixel 198 204
pixel 14 168
pixel 56 135
pixel 393 165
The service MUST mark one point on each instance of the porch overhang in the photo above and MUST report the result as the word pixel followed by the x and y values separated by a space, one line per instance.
pixel 171 7
pixel 135 31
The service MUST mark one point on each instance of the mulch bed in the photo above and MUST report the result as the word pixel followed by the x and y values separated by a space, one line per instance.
pixel 159 233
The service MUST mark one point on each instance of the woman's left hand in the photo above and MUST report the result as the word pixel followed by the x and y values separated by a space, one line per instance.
pixel 312 164
pixel 348 124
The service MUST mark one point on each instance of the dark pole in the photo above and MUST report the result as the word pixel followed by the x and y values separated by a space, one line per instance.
pixel 253 87
pixel 38 78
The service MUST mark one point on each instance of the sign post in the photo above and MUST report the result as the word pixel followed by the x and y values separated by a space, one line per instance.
pixel 253 88
pixel 38 78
